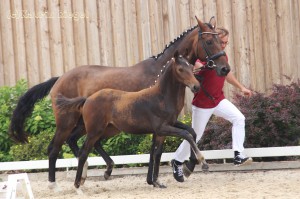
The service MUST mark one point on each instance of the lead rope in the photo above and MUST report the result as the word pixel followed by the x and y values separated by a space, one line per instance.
pixel 201 79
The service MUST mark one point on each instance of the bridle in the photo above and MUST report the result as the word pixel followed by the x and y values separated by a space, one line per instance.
pixel 210 64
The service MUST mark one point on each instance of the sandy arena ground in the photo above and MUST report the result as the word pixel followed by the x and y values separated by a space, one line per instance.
pixel 235 184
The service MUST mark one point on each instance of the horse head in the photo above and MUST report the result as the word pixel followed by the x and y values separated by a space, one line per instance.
pixel 184 72
pixel 208 48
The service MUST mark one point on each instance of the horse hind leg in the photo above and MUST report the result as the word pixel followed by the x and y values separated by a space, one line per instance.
pixel 63 129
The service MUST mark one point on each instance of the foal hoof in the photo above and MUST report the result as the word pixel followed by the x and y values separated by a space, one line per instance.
pixel 106 175
pixel 205 168
pixel 77 185
pixel 186 171
pixel 54 187
pixel 82 181
pixel 158 185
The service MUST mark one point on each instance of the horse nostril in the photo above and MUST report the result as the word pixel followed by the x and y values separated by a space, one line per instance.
pixel 225 70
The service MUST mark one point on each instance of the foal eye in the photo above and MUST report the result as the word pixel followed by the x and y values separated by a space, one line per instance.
pixel 209 42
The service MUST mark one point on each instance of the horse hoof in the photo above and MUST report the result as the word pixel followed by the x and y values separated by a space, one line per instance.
pixel 82 181
pixel 54 187
pixel 205 167
pixel 158 185
pixel 106 175
pixel 186 171
pixel 79 191
pixel 77 185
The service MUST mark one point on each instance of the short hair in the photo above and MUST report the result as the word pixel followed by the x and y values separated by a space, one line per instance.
pixel 222 31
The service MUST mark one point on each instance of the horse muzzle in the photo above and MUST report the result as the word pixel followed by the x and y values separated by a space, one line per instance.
pixel 223 71
pixel 195 88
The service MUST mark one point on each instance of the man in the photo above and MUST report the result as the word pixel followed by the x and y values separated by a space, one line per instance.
pixel 211 100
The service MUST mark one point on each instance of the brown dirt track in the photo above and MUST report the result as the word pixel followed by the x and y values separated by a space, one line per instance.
pixel 226 184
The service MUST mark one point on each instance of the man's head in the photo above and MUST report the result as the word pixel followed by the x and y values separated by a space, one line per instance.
pixel 224 36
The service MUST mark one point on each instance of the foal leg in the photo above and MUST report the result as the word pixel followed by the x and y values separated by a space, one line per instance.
pixel 183 133
pixel 83 155
pixel 151 161
pixel 109 162
pixel 157 156
pixel 76 134
pixel 189 167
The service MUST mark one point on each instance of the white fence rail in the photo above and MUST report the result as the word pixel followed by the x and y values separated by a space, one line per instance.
pixel 144 158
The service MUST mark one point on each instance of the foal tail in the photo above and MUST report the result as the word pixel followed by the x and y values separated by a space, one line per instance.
pixel 65 104
pixel 24 108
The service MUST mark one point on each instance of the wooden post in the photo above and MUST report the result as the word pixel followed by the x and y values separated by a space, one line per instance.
pixel 105 33
pixel 19 41
pixel 31 43
pixel 92 31
pixel 118 33
pixel 132 51
pixel 68 36
pixel 43 40
pixel 79 33
pixel 7 44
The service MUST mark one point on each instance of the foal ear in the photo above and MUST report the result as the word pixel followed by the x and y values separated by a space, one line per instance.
pixel 213 22
pixel 200 24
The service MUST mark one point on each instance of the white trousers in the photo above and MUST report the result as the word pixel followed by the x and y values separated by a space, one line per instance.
pixel 200 117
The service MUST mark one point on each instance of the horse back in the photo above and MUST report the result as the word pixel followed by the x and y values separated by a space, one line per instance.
pixel 86 80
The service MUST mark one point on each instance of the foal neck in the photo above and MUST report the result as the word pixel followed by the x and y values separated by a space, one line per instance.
pixel 169 86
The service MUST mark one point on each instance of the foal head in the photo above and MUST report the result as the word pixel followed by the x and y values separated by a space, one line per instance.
pixel 183 72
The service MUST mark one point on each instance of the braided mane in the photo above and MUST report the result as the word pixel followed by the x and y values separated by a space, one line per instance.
pixel 175 40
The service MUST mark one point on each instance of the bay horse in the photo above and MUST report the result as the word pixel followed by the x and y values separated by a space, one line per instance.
pixel 151 110
pixel 201 41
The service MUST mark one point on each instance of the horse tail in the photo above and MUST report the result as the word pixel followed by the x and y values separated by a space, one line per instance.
pixel 24 108
pixel 65 104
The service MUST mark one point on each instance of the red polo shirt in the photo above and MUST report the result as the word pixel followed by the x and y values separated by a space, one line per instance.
pixel 213 85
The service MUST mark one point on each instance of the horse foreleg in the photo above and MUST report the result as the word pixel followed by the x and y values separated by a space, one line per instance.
pixel 109 162
pixel 157 156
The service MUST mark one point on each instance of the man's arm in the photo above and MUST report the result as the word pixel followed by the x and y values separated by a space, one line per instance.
pixel 230 78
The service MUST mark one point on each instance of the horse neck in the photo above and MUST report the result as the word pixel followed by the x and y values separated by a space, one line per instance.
pixel 187 42
pixel 149 69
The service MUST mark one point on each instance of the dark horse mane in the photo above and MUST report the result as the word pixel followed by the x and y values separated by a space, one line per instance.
pixel 175 40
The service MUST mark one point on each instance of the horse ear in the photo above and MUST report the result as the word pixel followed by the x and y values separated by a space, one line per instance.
pixel 213 22
pixel 200 24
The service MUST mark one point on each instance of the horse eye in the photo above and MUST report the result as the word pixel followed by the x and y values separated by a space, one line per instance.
pixel 209 42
